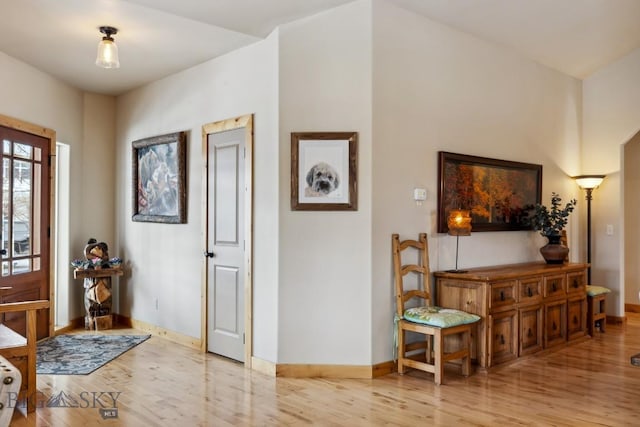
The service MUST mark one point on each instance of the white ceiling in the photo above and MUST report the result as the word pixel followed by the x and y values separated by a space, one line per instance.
pixel 159 37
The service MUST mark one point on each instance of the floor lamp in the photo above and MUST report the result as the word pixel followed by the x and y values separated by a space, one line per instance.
pixel 459 224
pixel 589 183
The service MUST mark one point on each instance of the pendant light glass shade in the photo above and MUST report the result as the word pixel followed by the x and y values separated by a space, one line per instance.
pixel 107 50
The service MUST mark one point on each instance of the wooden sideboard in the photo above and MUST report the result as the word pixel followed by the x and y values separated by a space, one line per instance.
pixel 524 307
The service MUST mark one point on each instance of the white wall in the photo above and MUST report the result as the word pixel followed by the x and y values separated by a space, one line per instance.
pixel 78 119
pixel 434 89
pixel 166 259
pixel 98 177
pixel 325 257
pixel 611 118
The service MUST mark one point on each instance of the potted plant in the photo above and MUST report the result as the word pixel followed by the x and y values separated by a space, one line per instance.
pixel 550 222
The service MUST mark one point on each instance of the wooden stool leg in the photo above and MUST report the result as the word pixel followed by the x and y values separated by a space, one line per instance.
pixel 590 312
pixel 596 313
pixel 603 310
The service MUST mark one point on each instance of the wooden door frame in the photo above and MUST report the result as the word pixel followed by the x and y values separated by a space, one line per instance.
pixel 245 122
pixel 49 134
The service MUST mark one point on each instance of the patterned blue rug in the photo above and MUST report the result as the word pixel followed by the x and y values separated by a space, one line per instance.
pixel 81 354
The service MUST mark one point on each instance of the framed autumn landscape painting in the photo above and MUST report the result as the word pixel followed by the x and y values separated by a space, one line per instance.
pixel 500 194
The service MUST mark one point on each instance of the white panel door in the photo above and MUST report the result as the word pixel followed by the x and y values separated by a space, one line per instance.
pixel 225 242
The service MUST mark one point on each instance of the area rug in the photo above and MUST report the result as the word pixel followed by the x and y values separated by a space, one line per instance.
pixel 82 354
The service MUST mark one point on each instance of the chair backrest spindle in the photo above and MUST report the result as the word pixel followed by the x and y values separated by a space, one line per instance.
pixel 401 270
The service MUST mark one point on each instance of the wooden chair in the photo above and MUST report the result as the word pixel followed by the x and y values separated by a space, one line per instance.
pixel 433 322
pixel 20 350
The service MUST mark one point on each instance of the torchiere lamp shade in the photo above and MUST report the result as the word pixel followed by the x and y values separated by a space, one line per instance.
pixel 589 181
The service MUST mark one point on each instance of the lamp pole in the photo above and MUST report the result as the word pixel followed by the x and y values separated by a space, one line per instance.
pixel 589 198
pixel 457 243
pixel 589 183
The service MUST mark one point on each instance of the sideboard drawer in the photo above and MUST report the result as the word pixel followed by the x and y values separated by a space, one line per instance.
pixel 576 282
pixel 503 295
pixel 530 290
pixel 554 286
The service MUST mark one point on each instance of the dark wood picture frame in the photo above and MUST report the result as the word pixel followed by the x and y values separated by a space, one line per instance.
pixel 500 194
pixel 324 171
pixel 159 173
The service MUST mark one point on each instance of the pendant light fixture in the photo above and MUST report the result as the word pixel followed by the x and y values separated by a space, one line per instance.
pixel 107 49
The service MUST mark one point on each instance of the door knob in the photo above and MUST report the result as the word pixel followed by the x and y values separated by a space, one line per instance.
pixel 208 254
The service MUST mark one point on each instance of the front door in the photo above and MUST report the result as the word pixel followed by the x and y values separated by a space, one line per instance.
pixel 25 224
pixel 226 243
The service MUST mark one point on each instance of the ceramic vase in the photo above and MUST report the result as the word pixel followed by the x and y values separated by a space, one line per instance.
pixel 554 252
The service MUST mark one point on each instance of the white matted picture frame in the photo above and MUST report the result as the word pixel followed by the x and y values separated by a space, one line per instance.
pixel 324 171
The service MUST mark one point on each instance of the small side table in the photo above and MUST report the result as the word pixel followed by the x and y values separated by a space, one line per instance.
pixel 97 295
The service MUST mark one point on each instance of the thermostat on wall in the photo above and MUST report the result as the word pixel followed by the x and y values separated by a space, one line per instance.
pixel 420 194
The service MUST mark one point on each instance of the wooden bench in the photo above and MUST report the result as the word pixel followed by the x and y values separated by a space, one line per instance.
pixel 10 382
pixel 20 351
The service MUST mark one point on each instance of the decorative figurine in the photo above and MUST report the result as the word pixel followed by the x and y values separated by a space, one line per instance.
pixel 97 269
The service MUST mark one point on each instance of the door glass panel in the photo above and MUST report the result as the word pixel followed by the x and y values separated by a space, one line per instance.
pixel 36 264
pixel 21 230
pixel 5 268
pixel 37 193
pixel 37 154
pixel 22 150
pixel 5 209
pixel 21 266
pixel 6 146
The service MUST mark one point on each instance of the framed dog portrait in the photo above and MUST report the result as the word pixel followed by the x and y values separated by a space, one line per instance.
pixel 324 171
pixel 159 179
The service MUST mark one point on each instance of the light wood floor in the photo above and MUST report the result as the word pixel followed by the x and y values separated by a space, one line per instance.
pixel 164 384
